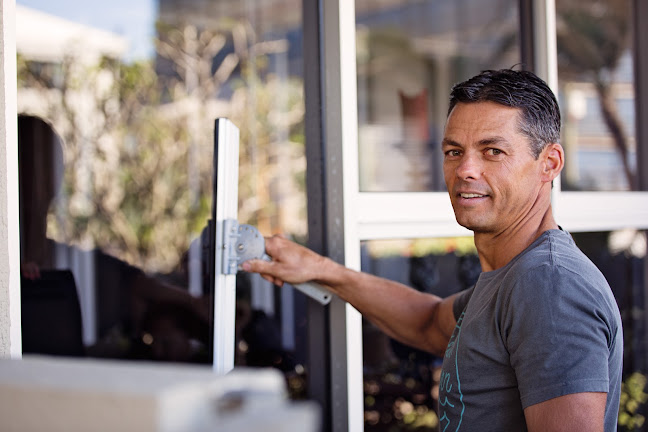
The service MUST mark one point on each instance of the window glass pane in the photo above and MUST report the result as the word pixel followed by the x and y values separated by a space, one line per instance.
pixel 409 54
pixel 401 383
pixel 116 179
pixel 596 94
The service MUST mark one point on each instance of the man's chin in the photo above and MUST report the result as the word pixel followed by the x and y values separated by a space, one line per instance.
pixel 477 227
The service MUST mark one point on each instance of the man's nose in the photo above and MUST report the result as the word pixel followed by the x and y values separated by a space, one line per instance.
pixel 469 167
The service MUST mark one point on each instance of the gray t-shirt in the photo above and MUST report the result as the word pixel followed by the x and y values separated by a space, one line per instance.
pixel 545 325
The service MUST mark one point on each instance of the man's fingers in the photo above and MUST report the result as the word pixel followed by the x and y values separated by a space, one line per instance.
pixel 260 266
pixel 255 266
pixel 272 244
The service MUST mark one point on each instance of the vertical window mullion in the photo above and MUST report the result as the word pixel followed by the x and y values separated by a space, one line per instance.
pixel 640 12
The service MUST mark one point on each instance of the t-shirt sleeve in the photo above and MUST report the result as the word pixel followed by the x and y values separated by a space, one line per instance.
pixel 558 334
pixel 461 301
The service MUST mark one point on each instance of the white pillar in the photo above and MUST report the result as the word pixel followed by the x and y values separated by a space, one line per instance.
pixel 10 335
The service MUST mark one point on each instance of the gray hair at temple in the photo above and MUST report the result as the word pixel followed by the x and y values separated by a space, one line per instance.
pixel 540 114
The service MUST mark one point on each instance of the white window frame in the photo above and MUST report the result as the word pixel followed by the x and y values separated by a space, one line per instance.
pixel 10 333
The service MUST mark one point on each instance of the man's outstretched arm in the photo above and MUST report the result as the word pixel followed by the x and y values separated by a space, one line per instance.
pixel 573 412
pixel 418 319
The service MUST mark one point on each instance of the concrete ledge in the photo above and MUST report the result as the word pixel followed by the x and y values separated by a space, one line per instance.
pixel 56 394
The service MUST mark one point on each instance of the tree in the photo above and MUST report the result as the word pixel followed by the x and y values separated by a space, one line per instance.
pixel 592 38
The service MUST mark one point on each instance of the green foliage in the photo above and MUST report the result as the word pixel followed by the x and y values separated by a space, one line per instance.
pixel 633 397
pixel 395 404
pixel 421 247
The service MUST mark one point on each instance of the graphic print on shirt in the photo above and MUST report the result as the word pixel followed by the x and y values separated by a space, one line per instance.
pixel 451 406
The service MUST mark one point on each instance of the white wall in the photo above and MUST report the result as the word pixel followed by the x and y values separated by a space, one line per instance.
pixel 10 336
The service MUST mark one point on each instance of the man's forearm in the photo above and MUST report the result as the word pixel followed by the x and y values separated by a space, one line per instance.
pixel 410 316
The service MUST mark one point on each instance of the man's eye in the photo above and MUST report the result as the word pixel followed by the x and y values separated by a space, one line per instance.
pixel 494 152
pixel 452 153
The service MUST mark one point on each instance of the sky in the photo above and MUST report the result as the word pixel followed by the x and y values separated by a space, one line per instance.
pixel 133 19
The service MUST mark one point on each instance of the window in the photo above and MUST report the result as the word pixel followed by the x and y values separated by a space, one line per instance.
pixel 126 103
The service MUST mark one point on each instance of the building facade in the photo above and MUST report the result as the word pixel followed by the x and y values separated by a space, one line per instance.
pixel 341 107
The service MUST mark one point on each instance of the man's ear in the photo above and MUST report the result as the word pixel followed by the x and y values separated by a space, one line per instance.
pixel 553 161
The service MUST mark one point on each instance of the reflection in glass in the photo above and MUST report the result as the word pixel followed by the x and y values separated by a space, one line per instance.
pixel 401 383
pixel 116 168
pixel 596 92
pixel 409 54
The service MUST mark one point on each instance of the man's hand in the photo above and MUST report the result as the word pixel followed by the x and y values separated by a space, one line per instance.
pixel 290 263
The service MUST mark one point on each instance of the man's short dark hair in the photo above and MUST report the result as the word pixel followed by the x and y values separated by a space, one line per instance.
pixel 540 119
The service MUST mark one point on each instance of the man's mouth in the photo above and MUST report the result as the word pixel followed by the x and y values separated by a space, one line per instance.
pixel 471 195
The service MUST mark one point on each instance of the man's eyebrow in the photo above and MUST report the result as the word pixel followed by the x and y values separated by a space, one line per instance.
pixel 493 140
pixel 483 142
pixel 449 142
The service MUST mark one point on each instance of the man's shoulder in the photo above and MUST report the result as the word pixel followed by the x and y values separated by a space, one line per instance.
pixel 554 249
pixel 554 271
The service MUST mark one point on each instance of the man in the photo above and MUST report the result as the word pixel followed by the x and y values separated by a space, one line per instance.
pixel 537 343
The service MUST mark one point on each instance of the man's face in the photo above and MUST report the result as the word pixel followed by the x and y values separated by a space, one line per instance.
pixel 492 177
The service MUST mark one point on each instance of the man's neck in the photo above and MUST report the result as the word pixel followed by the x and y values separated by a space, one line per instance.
pixel 498 249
